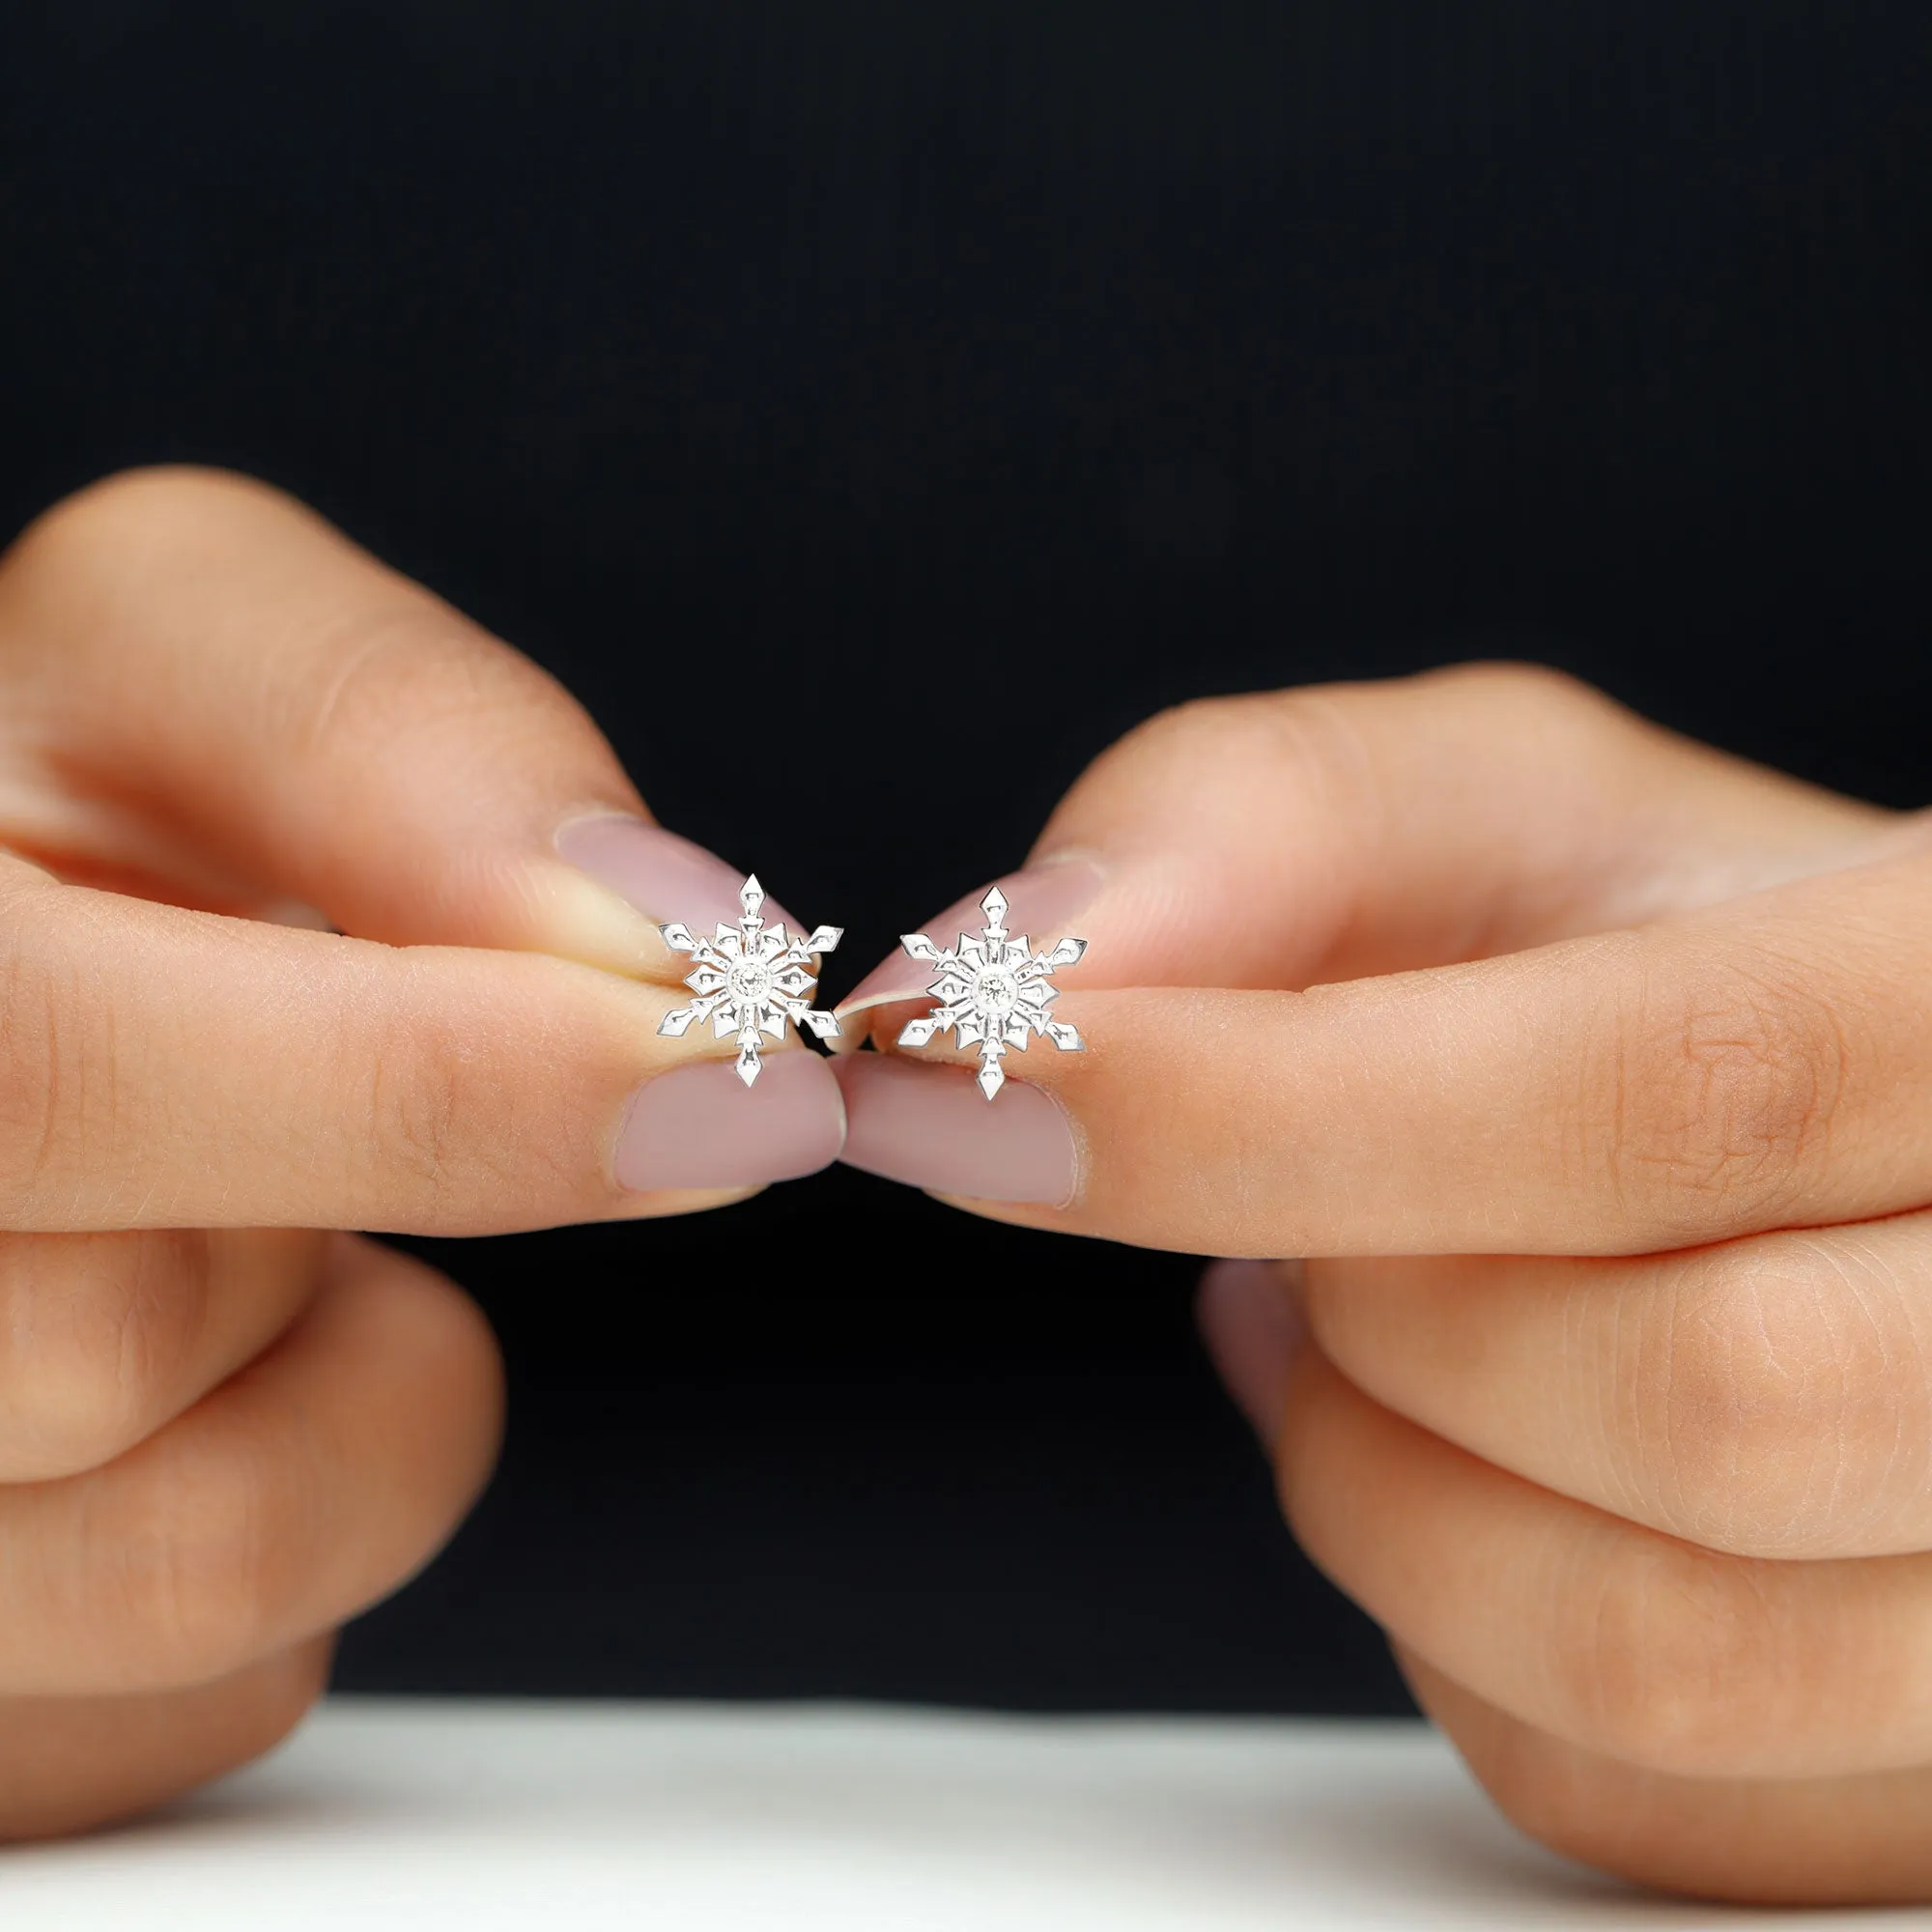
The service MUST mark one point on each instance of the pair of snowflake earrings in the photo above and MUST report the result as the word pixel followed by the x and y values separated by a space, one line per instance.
pixel 992 990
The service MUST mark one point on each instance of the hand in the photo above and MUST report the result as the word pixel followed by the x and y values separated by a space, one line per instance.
pixel 1595 1070
pixel 220 1434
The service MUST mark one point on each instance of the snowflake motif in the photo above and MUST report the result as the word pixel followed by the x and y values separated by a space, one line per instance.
pixel 993 991
pixel 750 982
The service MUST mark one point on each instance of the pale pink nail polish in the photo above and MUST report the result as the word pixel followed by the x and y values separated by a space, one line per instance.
pixel 931 1127
pixel 700 1125
pixel 1252 1323
pixel 1039 901
pixel 666 877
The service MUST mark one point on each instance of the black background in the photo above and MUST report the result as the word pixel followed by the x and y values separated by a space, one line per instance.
pixel 832 366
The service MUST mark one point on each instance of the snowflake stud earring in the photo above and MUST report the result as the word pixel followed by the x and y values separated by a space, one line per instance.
pixel 749 981
pixel 994 990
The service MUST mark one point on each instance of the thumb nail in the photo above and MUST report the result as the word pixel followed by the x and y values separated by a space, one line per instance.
pixel 1251 1320
pixel 656 877
pixel 1038 901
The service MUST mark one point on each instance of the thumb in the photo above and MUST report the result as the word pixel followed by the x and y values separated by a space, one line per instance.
pixel 1291 838
pixel 225 684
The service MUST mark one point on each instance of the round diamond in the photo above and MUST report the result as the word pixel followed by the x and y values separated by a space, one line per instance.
pixel 751 979
pixel 995 991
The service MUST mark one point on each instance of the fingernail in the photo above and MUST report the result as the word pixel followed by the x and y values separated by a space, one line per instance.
pixel 663 876
pixel 700 1125
pixel 931 1127
pixel 1039 902
pixel 1251 1320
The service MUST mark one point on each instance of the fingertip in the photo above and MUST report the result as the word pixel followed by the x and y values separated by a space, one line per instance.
pixel 931 1127
pixel 427 1313
pixel 699 1130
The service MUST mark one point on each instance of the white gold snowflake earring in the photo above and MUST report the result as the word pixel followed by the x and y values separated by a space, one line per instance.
pixel 749 981
pixel 994 990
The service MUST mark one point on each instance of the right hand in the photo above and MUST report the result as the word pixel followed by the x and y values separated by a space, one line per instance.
pixel 221 1433
pixel 1591 1071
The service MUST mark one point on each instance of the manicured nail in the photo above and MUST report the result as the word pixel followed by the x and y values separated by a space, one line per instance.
pixel 1251 1318
pixel 1039 902
pixel 664 877
pixel 700 1125
pixel 931 1127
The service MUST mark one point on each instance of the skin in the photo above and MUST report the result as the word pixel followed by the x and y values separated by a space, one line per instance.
pixel 224 732
pixel 1589 1066
pixel 1589 1075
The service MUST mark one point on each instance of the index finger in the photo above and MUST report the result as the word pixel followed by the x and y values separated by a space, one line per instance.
pixel 1760 1065
pixel 166 1068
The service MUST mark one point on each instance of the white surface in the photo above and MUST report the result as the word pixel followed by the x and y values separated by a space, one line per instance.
pixel 699 1818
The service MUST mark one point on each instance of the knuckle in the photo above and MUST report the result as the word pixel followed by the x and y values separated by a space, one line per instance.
pixel 1668 1658
pixel 1183 734
pixel 1582 1812
pixel 275 1697
pixel 112 523
pixel 104 1759
pixel 55 1085
pixel 1723 1087
pixel 417 1079
pixel 1793 1407
pixel 1521 687
pixel 1310 741
pixel 1589 1808
pixel 365 679
pixel 215 1575
pixel 440 1125
pixel 1328 739
pixel 1534 1781
pixel 1575 727
pixel 100 1330
pixel 404 668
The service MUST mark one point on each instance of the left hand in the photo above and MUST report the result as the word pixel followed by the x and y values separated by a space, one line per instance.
pixel 1596 1069
pixel 224 1429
